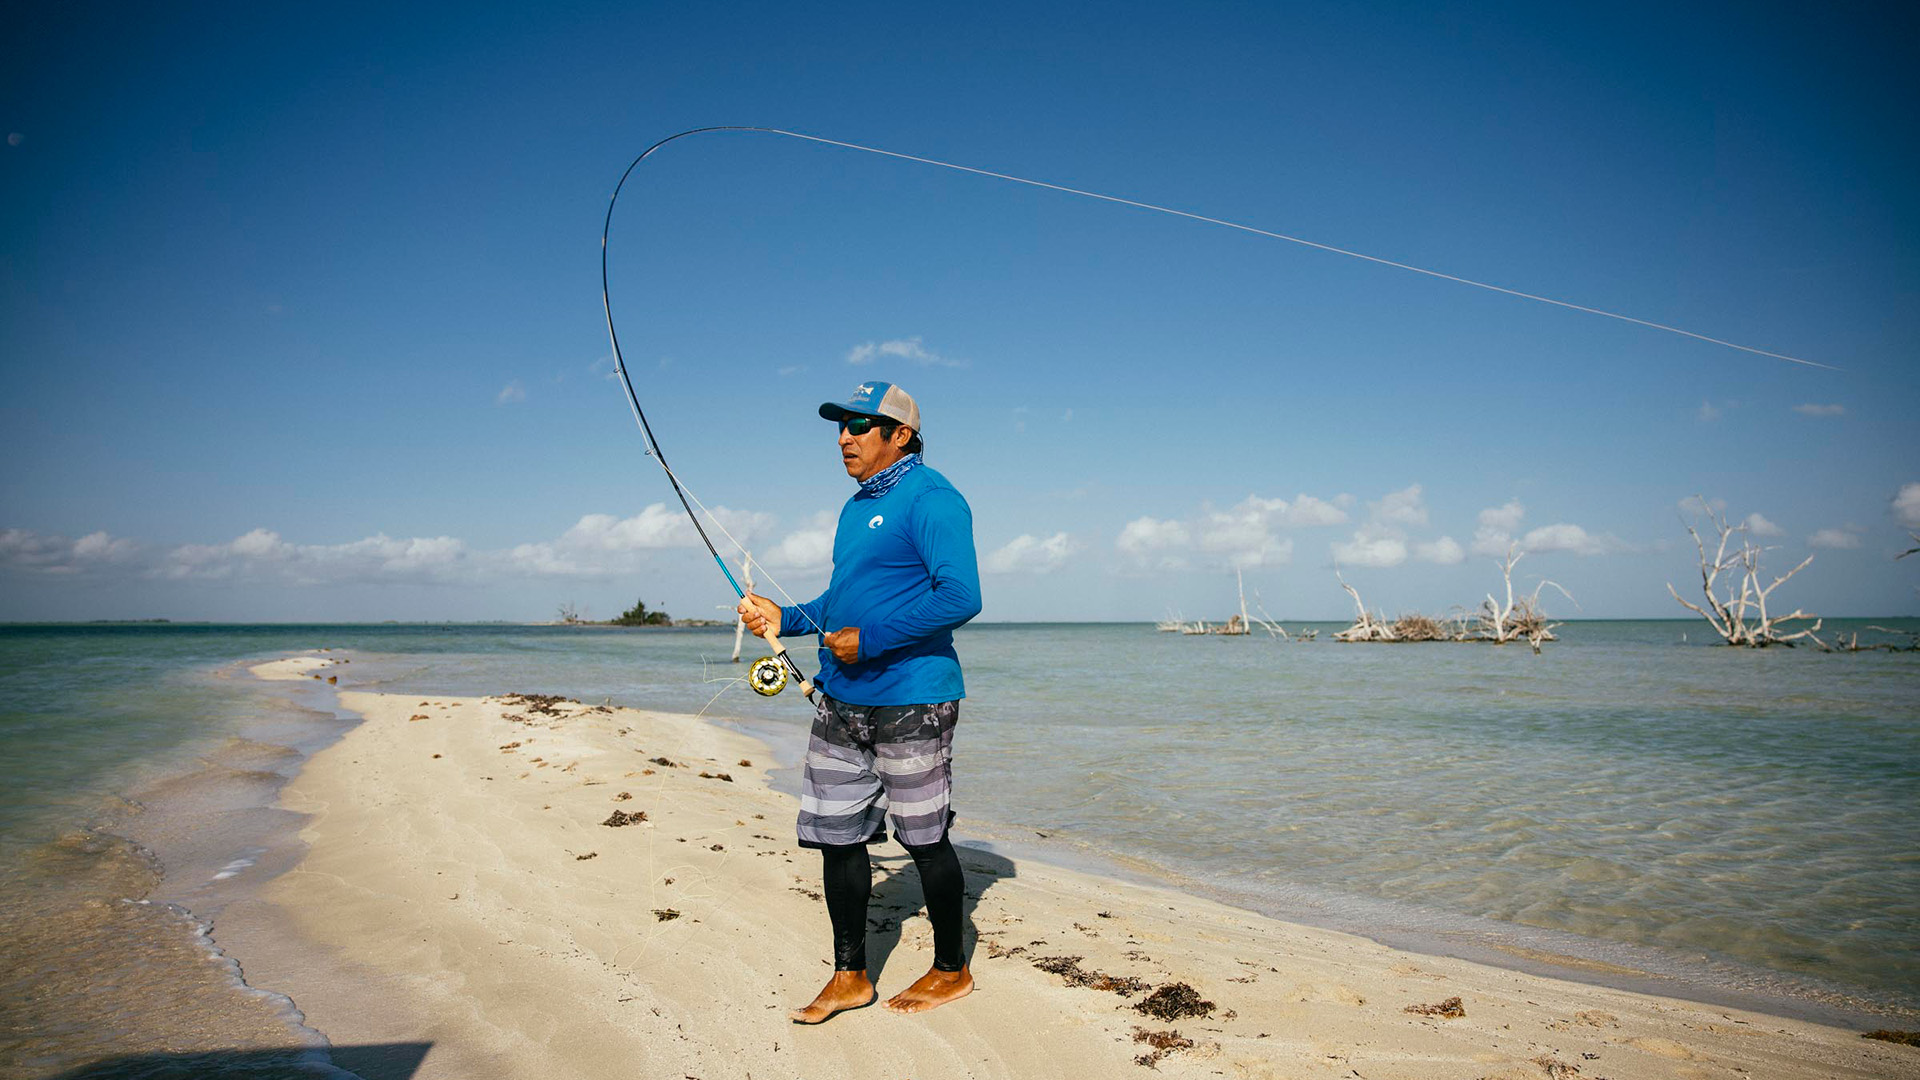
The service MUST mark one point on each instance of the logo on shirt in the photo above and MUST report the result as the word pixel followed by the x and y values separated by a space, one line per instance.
pixel 875 523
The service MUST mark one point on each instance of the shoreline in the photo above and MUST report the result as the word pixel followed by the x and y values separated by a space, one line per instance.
pixel 1714 981
pixel 534 920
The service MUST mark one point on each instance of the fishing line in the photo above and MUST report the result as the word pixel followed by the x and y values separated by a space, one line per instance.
pixel 718 524
pixel 1191 216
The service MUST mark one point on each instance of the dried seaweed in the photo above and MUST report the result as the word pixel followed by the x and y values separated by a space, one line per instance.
pixel 621 817
pixel 1174 1001
pixel 1450 1009
pixel 1905 1038
pixel 538 703
pixel 1068 968
pixel 1163 1043
pixel 662 914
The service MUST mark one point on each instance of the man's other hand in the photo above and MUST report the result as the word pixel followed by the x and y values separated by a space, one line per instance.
pixel 845 644
pixel 760 614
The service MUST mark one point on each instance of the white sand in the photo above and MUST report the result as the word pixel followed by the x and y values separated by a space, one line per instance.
pixel 469 896
pixel 295 667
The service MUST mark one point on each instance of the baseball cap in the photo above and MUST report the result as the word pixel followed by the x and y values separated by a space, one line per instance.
pixel 876 399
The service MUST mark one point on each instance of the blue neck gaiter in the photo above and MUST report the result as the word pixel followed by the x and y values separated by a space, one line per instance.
pixel 882 482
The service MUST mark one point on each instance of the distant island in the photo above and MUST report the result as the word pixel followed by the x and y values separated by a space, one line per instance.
pixel 637 615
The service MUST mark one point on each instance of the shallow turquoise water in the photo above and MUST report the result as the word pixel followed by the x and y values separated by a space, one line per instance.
pixel 1742 817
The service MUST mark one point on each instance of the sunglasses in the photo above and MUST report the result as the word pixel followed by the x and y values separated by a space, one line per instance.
pixel 860 425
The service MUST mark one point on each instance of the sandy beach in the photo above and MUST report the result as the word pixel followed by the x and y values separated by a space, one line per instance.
pixel 520 886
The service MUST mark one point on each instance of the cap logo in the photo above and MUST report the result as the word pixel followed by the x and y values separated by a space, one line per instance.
pixel 862 390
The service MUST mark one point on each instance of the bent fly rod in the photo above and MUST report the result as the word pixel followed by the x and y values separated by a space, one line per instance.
pixel 769 675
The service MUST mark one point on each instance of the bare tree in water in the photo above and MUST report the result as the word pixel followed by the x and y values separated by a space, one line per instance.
pixel 1739 615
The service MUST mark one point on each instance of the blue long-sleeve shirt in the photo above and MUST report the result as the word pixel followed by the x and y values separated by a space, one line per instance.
pixel 905 573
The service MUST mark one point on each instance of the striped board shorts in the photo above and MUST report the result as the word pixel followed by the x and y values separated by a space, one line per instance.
pixel 866 763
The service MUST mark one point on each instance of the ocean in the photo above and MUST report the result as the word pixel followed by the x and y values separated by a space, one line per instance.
pixel 1656 812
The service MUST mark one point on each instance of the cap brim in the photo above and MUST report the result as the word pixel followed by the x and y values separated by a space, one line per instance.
pixel 837 412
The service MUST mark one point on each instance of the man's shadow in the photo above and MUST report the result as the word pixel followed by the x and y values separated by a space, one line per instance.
pixel 897 899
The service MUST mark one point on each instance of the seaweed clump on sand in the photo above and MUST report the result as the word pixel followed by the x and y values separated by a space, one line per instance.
pixel 1163 1043
pixel 1905 1038
pixel 1450 1009
pixel 538 703
pixel 621 817
pixel 1068 968
pixel 664 914
pixel 1174 1001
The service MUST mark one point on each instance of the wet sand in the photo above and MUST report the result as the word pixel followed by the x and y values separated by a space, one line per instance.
pixel 478 886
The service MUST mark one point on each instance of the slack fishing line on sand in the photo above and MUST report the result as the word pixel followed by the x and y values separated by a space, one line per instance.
pixel 769 675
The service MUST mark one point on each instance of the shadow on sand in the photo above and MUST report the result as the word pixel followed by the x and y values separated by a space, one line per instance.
pixel 375 1061
pixel 897 898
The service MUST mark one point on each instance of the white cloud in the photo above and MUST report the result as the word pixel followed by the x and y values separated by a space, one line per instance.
pixel 1372 545
pixel 1494 533
pixel 1307 511
pixel 1445 551
pixel 1760 526
pixel 1154 541
pixel 511 393
pixel 1568 537
pixel 1906 505
pixel 1244 534
pixel 31 552
pixel 1505 517
pixel 1810 409
pixel 1027 554
pixel 1498 525
pixel 909 349
pixel 596 545
pixel 600 544
pixel 1403 507
pixel 809 547
pixel 1707 413
pixel 1148 534
pixel 262 555
pixel 1847 537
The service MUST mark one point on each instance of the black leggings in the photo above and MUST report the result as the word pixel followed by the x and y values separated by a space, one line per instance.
pixel 848 875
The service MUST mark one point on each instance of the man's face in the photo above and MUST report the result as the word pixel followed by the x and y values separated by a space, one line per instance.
pixel 867 454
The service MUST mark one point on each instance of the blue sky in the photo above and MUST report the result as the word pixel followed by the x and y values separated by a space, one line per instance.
pixel 300 310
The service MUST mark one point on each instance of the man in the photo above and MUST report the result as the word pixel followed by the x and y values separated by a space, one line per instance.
pixel 904 577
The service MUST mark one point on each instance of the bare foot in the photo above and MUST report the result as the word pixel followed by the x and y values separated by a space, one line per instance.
pixel 846 990
pixel 932 990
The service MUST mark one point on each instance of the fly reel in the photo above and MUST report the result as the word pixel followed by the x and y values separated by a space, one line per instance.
pixel 767 676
